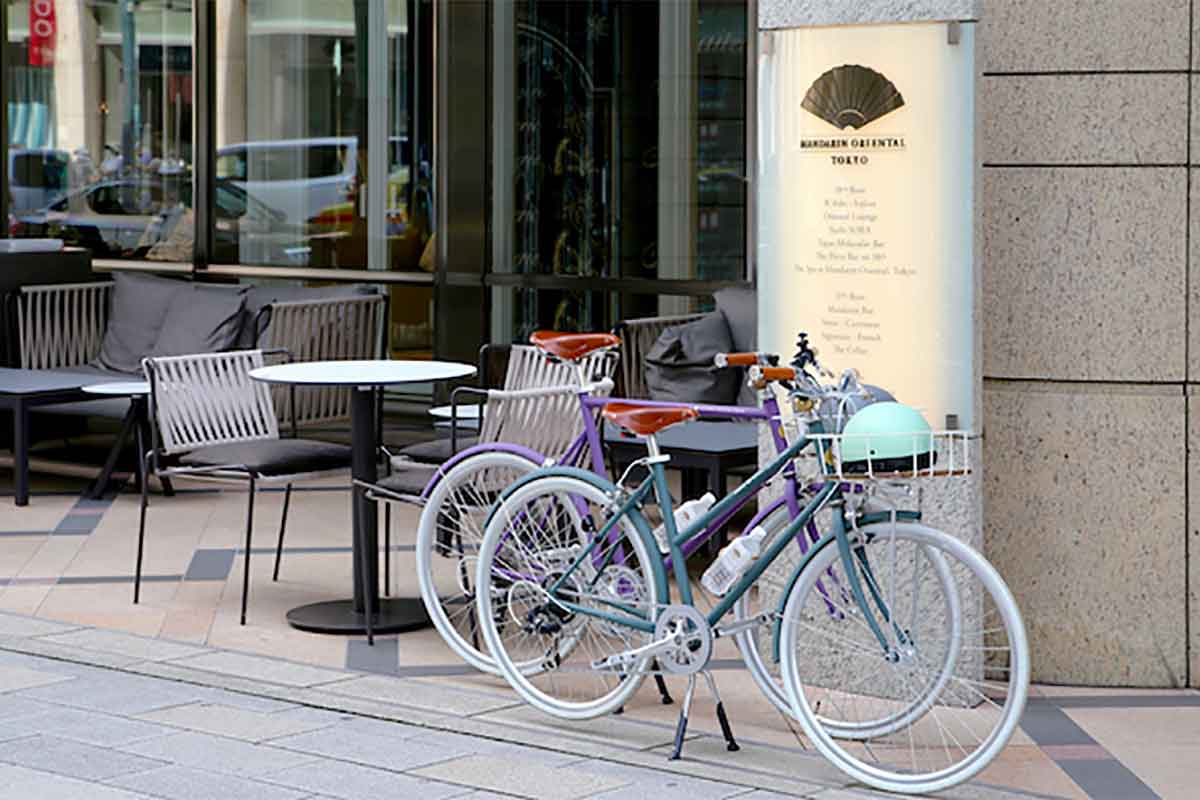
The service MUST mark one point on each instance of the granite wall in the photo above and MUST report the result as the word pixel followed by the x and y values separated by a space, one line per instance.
pixel 1090 359
pixel 1085 143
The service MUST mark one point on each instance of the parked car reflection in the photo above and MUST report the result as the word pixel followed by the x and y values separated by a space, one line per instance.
pixel 152 218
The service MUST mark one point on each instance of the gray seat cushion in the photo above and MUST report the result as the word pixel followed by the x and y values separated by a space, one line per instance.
pixel 104 407
pixel 272 457
pixel 408 478
pixel 438 450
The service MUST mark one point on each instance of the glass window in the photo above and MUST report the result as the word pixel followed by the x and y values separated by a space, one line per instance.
pixel 99 120
pixel 620 140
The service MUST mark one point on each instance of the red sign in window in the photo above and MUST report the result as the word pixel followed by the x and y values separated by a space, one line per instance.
pixel 42 33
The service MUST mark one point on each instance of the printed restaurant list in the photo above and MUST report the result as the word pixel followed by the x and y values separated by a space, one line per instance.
pixel 849 246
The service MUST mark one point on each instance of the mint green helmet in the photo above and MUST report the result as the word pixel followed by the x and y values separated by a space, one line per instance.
pixel 890 435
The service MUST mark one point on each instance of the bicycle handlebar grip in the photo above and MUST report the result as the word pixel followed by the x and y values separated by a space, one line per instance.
pixel 775 373
pixel 735 359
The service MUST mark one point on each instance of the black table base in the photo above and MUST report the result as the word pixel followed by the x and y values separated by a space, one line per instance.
pixel 392 615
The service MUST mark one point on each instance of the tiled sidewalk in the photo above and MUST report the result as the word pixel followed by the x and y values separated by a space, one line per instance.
pixel 68 563
pixel 99 714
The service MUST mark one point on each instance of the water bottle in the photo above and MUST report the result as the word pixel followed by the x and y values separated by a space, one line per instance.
pixel 685 515
pixel 732 561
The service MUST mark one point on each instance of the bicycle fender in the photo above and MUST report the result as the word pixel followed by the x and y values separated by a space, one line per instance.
pixel 634 515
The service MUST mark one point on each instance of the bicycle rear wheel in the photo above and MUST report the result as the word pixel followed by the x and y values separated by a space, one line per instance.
pixel 448 537
pixel 941 694
pixel 542 643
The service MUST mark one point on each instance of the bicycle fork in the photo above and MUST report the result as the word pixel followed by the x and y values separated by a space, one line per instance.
pixel 681 727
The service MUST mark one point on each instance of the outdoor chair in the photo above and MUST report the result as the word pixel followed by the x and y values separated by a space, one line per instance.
pixel 213 422
pixel 541 413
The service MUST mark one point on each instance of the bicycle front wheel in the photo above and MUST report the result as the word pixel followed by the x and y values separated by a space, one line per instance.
pixel 448 537
pixel 934 680
pixel 552 594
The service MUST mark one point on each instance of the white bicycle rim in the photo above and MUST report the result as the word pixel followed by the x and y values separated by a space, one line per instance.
pixel 891 780
pixel 454 489
pixel 521 675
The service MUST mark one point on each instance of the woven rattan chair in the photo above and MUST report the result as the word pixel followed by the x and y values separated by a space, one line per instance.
pixel 213 422
pixel 328 329
pixel 538 409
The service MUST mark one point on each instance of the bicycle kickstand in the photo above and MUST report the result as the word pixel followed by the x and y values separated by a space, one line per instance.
pixel 726 729
pixel 681 726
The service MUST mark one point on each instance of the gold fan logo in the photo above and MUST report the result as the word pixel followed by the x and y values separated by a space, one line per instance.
pixel 851 96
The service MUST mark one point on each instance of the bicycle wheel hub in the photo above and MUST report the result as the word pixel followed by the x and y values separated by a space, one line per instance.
pixel 691 640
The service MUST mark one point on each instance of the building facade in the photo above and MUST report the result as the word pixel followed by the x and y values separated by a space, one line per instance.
pixel 574 164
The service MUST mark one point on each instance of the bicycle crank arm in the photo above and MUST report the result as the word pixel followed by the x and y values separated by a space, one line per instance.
pixel 744 625
pixel 625 661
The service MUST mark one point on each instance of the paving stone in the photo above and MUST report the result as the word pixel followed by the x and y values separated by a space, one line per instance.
pixel 73 759
pixel 117 693
pixel 21 783
pixel 533 779
pixel 229 756
pixel 124 644
pixel 183 783
pixel 90 727
pixel 260 668
pixel 492 747
pixel 423 694
pixel 352 781
pixel 642 782
pixel 382 727
pixel 14 679
pixel 374 751
pixel 17 625
pixel 15 707
pixel 235 723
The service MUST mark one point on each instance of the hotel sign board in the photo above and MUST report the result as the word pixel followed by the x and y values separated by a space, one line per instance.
pixel 865 205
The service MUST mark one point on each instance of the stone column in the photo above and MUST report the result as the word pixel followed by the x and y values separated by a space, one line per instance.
pixel 231 71
pixel 78 122
pixel 1090 355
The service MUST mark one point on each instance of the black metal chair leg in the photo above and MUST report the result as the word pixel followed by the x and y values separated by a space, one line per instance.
pixel 137 574
pixel 387 550
pixel 249 531
pixel 287 497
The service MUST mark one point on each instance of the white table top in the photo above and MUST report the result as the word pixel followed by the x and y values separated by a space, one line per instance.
pixel 361 373
pixel 125 388
pixel 465 411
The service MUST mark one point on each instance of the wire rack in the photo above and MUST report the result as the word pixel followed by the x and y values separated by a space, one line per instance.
pixel 927 454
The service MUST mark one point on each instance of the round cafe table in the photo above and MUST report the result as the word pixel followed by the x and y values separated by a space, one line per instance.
pixel 392 614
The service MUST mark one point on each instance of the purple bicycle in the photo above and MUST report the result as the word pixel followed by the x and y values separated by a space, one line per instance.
pixel 457 502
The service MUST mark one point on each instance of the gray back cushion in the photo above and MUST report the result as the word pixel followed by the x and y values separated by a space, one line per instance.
pixel 136 314
pixel 679 366
pixel 201 319
pixel 740 309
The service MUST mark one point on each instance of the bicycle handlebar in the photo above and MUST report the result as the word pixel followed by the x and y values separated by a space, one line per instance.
pixel 722 360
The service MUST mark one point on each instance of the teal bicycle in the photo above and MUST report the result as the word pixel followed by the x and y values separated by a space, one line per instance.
pixel 901 651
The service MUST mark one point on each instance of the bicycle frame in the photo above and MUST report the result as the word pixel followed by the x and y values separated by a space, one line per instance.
pixel 831 491
pixel 589 442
